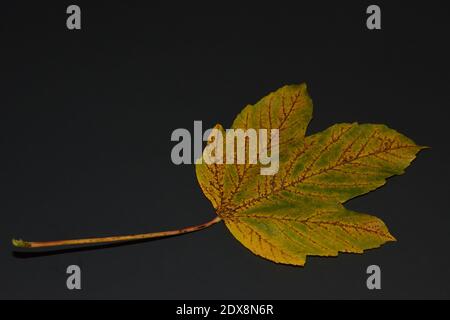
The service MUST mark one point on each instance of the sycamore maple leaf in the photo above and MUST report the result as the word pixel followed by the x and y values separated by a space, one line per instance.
pixel 298 211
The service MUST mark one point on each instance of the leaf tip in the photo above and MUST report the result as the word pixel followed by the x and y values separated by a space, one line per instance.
pixel 389 237
pixel 19 243
pixel 303 87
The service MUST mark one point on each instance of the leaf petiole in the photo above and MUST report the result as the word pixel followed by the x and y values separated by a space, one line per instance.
pixel 26 244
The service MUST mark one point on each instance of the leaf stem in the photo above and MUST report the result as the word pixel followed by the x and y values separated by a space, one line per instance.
pixel 26 244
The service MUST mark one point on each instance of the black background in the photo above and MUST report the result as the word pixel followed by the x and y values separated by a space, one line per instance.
pixel 85 125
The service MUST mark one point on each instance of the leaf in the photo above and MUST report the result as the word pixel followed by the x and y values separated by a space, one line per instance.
pixel 298 211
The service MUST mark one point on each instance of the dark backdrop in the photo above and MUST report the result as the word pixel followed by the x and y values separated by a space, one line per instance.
pixel 85 125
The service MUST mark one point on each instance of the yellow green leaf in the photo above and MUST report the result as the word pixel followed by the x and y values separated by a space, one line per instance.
pixel 299 211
